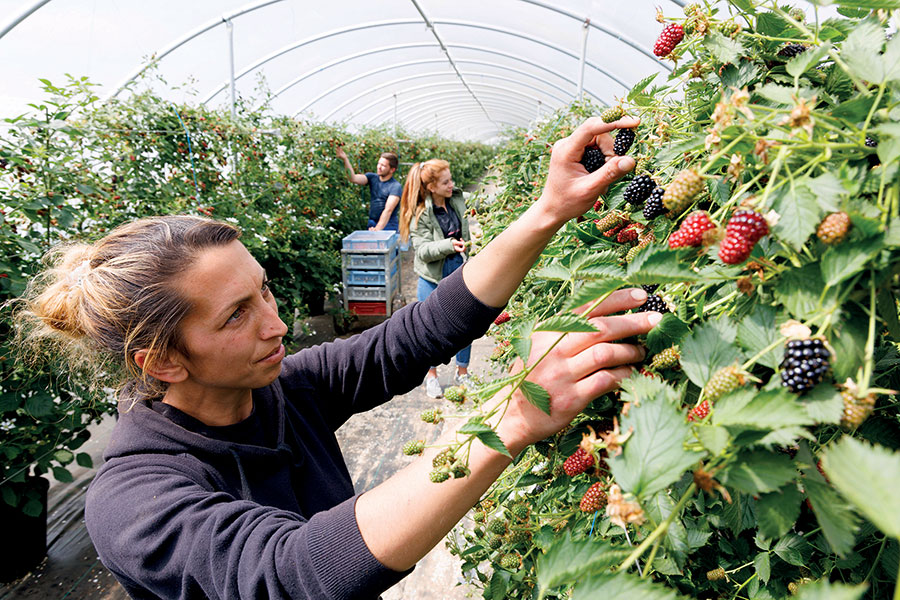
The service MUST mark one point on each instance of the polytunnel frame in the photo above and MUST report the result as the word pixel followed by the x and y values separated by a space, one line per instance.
pixel 454 100
pixel 461 112
pixel 227 19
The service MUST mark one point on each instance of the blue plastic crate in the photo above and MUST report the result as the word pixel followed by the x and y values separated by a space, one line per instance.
pixel 372 293
pixel 370 260
pixel 371 240
pixel 355 277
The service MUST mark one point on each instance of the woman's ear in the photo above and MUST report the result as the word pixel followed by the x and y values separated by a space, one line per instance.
pixel 166 368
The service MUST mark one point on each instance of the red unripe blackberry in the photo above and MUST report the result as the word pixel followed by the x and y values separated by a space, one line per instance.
pixel 593 159
pixel 639 189
pixel 578 463
pixel 613 113
pixel 594 499
pixel 654 205
pixel 682 190
pixel 691 231
pixel 629 234
pixel 791 50
pixel 735 249
pixel 834 228
pixel 598 205
pixel 614 232
pixel 748 224
pixel 723 381
pixel 699 412
pixel 804 365
pixel 666 359
pixel 623 141
pixel 671 35
pixel 856 410
pixel 654 303
pixel 502 318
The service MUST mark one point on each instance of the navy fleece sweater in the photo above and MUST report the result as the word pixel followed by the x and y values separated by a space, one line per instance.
pixel 183 510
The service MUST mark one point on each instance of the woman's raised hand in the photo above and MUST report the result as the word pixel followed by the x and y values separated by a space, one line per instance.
pixel 583 366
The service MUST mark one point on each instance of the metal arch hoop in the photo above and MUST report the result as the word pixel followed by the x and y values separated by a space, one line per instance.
pixel 23 14
pixel 447 116
pixel 385 99
pixel 487 90
pixel 456 101
pixel 412 103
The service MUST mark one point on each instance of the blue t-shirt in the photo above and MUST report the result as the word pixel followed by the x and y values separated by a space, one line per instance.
pixel 379 191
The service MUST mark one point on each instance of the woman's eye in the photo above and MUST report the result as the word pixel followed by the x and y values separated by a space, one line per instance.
pixel 265 287
pixel 236 315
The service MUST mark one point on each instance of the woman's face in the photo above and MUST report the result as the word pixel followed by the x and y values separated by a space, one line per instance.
pixel 442 186
pixel 232 333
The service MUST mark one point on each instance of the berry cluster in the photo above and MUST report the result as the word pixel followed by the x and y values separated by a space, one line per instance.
pixel 744 229
pixel 691 231
pixel 723 381
pixel 654 206
pixel 804 365
pixel 610 220
pixel 654 303
pixel 834 228
pixel 613 113
pixel 682 190
pixel 630 233
pixel 578 463
pixel 593 159
pixel 639 189
pixel 671 36
pixel 594 499
pixel 455 394
pixel 623 141
pixel 413 447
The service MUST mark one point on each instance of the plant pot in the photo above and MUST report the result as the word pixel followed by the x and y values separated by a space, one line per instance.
pixel 26 535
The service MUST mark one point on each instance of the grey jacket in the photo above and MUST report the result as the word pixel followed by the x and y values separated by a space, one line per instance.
pixel 428 238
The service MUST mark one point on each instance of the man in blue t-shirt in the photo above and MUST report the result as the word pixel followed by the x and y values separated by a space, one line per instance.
pixel 384 190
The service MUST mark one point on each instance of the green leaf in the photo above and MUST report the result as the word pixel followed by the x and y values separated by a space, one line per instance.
pixel 713 437
pixel 499 581
pixel 708 349
pixel 33 508
pixel 537 395
pixel 554 272
pixel 654 456
pixel 39 405
pixel 568 561
pixel 763 568
pixel 846 260
pixel 657 265
pixel 590 292
pixel 889 141
pixel 793 549
pixel 782 94
pixel 759 472
pixel 778 511
pixel 757 332
pixel 639 86
pixel 849 343
pixel 825 590
pixel 493 441
pixel 799 291
pixel 862 51
pixel 824 404
pixel 724 49
pixel 622 585
pixel 868 5
pixel 63 457
pixel 769 409
pixel 799 214
pixel 801 63
pixel 828 189
pixel 566 322
pixel 669 332
pixel 84 460
pixel 837 521
pixel 475 425
pixel 867 476
pixel 887 310
pixel 62 474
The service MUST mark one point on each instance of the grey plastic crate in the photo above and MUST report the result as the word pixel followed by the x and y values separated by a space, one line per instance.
pixel 356 277
pixel 379 259
pixel 373 292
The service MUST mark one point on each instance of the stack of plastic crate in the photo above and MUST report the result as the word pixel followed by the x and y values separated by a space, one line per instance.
pixel 370 263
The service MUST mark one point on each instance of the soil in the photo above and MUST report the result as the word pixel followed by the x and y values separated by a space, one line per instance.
pixel 371 443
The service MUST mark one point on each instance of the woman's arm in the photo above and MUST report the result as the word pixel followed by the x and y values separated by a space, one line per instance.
pixel 496 271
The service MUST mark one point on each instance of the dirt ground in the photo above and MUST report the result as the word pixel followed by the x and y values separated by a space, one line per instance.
pixel 371 442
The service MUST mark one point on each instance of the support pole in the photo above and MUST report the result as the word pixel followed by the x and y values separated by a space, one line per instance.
pixel 396 123
pixel 230 27
pixel 585 29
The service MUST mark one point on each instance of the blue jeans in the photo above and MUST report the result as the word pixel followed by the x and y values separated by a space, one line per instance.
pixel 424 289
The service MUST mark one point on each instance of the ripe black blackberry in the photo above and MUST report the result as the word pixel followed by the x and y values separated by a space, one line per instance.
pixel 623 141
pixel 654 205
pixel 593 159
pixel 871 142
pixel 791 50
pixel 639 189
pixel 650 288
pixel 654 303
pixel 804 365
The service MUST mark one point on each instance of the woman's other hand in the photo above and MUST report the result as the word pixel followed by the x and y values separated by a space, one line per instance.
pixel 458 245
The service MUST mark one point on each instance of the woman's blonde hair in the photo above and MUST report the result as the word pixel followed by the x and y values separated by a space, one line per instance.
pixel 412 203
pixel 95 305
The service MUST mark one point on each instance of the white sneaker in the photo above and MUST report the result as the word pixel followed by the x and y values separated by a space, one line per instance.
pixel 433 387
pixel 461 379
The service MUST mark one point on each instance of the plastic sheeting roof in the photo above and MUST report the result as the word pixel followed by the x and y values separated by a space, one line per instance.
pixel 463 68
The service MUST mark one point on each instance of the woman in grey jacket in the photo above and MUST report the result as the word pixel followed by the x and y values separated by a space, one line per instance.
pixel 433 211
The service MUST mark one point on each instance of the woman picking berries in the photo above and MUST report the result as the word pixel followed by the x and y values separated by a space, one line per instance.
pixel 223 477
pixel 433 213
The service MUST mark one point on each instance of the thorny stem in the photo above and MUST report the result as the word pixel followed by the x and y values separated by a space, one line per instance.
pixel 870 342
pixel 774 176
pixel 874 106
pixel 740 587
pixel 660 529
pixel 649 564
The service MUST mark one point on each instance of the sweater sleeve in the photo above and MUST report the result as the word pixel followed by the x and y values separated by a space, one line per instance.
pixel 366 370
pixel 164 535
